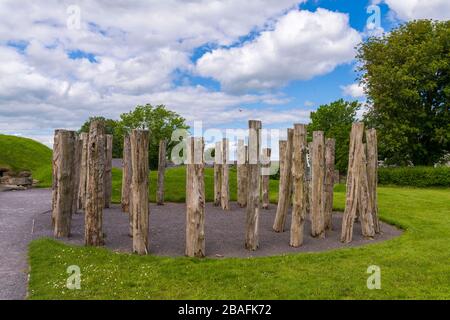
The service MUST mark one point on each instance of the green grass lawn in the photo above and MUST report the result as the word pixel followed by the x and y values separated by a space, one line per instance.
pixel 413 266
pixel 20 154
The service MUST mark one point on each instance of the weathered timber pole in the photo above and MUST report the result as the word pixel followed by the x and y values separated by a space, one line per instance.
pixel 139 202
pixel 317 185
pixel 330 147
pixel 195 199
pixel 300 185
pixel 309 180
pixel 78 149
pixel 218 161
pixel 161 172
pixel 126 174
pixel 84 137
pixel 253 186
pixel 242 174
pixel 63 185
pixel 108 169
pixel 364 201
pixel 95 194
pixel 351 202
pixel 225 189
pixel 372 175
pixel 284 193
pixel 126 181
pixel 266 154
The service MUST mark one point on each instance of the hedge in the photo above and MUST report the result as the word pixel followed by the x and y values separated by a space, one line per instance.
pixel 415 176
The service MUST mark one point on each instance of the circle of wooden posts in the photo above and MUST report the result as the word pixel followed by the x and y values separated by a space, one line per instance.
pixel 82 179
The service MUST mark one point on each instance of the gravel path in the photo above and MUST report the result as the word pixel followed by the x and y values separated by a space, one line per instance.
pixel 17 211
pixel 224 234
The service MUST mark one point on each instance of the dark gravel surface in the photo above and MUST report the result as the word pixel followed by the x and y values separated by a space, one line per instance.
pixel 18 209
pixel 224 234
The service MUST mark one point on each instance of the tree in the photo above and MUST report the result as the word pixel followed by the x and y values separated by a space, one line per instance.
pixel 406 75
pixel 336 119
pixel 161 123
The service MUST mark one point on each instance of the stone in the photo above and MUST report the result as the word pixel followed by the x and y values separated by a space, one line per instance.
pixel 25 174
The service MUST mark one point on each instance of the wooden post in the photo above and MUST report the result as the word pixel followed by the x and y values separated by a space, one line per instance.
pixel 161 172
pixel 126 174
pixel 63 184
pixel 299 184
pixel 84 137
pixel 372 175
pixel 78 149
pixel 253 186
pixel 330 146
pixel 225 189
pixel 195 199
pixel 364 201
pixel 218 161
pixel 317 184
pixel 309 180
pixel 139 203
pixel 95 199
pixel 266 154
pixel 108 169
pixel 242 174
pixel 351 202
pixel 284 193
pixel 126 181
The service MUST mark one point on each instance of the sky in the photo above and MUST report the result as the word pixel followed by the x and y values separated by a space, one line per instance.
pixel 218 62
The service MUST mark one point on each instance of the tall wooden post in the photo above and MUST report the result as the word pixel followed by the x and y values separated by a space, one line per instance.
pixel 253 185
pixel 353 181
pixel 78 149
pixel 266 154
pixel 364 201
pixel 84 137
pixel 330 146
pixel 63 184
pixel 309 180
pixel 317 184
pixel 284 193
pixel 95 200
pixel 242 174
pixel 126 174
pixel 161 172
pixel 372 175
pixel 225 189
pixel 299 184
pixel 218 161
pixel 139 203
pixel 195 199
pixel 108 169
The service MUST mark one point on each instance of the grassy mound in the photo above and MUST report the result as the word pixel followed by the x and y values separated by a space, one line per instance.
pixel 20 154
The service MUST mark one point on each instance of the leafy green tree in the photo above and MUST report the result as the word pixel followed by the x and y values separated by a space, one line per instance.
pixel 161 123
pixel 336 119
pixel 406 75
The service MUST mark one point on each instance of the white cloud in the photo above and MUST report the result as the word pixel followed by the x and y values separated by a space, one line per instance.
pixel 420 9
pixel 138 45
pixel 353 90
pixel 302 45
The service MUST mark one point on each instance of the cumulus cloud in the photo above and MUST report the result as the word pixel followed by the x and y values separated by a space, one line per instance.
pixel 301 45
pixel 353 90
pixel 419 9
pixel 124 53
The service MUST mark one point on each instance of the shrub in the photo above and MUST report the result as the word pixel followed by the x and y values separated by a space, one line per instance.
pixel 415 176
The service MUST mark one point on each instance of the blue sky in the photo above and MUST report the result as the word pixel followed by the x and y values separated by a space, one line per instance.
pixel 219 62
